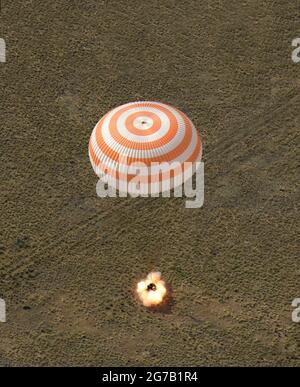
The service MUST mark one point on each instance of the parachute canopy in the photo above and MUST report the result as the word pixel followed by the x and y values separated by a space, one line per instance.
pixel 149 139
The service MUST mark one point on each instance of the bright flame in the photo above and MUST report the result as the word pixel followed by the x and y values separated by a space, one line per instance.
pixel 150 297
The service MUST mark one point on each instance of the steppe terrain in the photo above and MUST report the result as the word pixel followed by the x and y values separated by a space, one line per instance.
pixel 69 261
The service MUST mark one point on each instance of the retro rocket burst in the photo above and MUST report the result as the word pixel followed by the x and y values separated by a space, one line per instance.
pixel 151 290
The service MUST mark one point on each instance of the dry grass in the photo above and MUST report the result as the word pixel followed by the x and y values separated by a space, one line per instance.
pixel 74 259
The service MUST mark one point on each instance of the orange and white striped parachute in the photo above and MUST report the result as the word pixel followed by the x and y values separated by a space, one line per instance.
pixel 149 140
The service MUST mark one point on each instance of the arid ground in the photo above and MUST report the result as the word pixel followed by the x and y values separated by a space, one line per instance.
pixel 69 261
